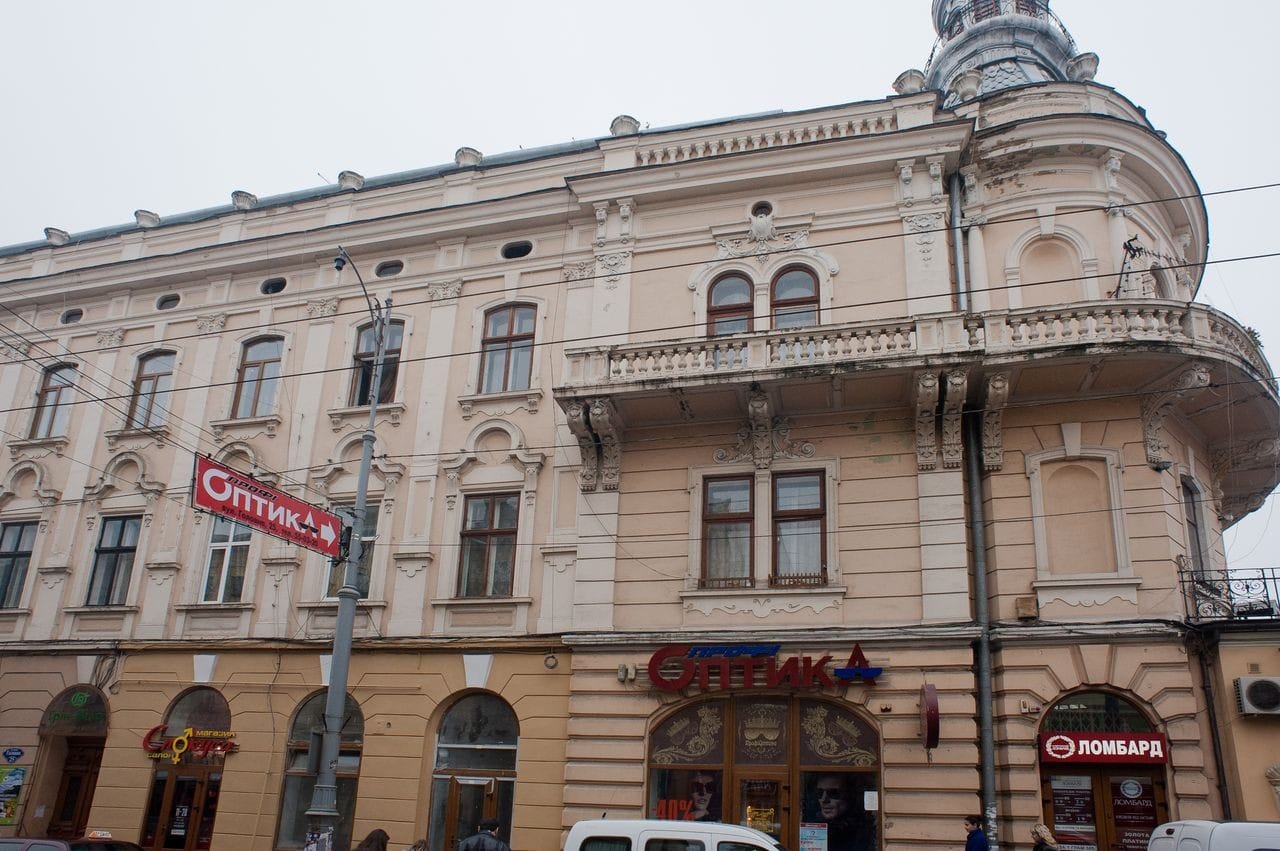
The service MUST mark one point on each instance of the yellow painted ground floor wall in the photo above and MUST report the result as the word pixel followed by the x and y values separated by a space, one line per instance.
pixel 1251 741
pixel 596 731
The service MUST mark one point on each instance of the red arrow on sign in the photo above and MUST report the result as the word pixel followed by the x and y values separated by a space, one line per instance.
pixel 221 490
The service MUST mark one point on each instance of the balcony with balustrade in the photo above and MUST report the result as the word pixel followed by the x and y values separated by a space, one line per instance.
pixel 1245 595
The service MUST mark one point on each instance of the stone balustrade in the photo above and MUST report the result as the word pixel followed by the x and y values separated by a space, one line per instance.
pixel 635 366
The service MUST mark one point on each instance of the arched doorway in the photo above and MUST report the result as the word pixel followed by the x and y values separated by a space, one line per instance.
pixel 302 765
pixel 784 765
pixel 74 730
pixel 1102 773
pixel 475 770
pixel 189 750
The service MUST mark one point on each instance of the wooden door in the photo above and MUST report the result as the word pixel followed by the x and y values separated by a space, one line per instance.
pixel 75 791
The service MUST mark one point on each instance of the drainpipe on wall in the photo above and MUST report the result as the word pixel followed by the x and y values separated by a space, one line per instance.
pixel 982 614
pixel 1200 648
pixel 957 246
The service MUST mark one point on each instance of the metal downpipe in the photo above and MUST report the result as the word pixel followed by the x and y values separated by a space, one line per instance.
pixel 982 615
pixel 957 245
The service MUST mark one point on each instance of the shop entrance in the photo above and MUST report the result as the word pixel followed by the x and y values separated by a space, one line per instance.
pixel 475 770
pixel 786 765
pixel 73 732
pixel 189 750
pixel 1102 774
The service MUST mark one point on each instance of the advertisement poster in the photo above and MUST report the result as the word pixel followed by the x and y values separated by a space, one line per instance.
pixel 1133 802
pixel 12 778
pixel 813 837
pixel 1074 820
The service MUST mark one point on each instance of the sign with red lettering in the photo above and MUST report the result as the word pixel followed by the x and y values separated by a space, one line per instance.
pixel 223 491
pixel 724 666
pixel 1146 748
pixel 190 743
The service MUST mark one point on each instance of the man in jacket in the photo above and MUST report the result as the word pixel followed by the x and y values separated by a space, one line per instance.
pixel 486 838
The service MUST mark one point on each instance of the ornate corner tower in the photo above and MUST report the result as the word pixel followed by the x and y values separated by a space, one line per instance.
pixel 985 46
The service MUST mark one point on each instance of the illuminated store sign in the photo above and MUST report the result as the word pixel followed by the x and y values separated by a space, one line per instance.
pixel 196 744
pixel 719 667
pixel 1104 747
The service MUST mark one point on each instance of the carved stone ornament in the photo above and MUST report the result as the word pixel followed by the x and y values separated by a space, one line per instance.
pixel 211 323
pixel 926 227
pixel 583 270
pixel 992 421
pixel 760 249
pixel 763 438
pixel 278 568
pixel 1111 169
pixel 1246 455
pixel 763 607
pixel 444 289
pixel 110 337
pixel 625 214
pixel 589 471
pixel 411 563
pixel 322 307
pixel 607 425
pixel 1156 406
pixel 614 266
pixel 935 182
pixel 602 220
pixel 927 390
pixel 952 410
pixel 14 349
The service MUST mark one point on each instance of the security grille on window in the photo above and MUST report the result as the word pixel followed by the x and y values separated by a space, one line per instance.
pixel 488 545
pixel 53 403
pixel 366 351
pixel 16 541
pixel 799 530
pixel 149 404
pixel 113 561
pixel 228 556
pixel 506 361
pixel 364 567
pixel 258 377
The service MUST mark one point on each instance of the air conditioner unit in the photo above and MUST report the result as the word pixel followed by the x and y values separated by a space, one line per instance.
pixel 1258 695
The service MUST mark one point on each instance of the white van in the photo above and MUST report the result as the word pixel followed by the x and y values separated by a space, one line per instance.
pixel 660 835
pixel 1196 835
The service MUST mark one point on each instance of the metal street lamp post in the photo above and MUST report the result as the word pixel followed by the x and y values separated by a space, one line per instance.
pixel 323 811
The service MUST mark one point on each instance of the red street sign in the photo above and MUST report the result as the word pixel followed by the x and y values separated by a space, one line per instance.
pixel 225 492
pixel 1147 748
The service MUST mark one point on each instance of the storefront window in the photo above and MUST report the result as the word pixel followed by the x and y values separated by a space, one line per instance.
pixel 301 766
pixel 475 772
pixel 772 763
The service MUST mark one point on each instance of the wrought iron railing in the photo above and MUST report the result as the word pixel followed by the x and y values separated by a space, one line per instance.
pixel 1235 594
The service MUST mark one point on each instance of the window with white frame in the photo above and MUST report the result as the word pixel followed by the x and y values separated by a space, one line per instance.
pixel 487 561
pixel 225 566
pixel 364 568
pixel 736 510
pixel 16 542
pixel 113 561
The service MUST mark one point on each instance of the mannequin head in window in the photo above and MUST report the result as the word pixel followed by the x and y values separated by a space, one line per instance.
pixel 831 796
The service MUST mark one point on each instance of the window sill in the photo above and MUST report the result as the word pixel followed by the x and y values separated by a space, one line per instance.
pixel 763 602
pixel 491 602
pixel 1087 589
pixel 214 607
pixel 331 603
pixel 340 416
pixel 239 427
pixel 57 444
pixel 529 399
pixel 114 438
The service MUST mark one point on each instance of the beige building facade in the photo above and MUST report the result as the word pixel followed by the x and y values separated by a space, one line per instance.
pixel 713 465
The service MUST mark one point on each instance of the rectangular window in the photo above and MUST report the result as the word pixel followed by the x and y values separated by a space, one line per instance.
pixel 151 387
pixel 53 403
pixel 506 361
pixel 16 540
pixel 257 378
pixel 1195 541
pixel 487 561
pixel 228 555
pixel 799 530
pixel 113 561
pixel 366 353
pixel 337 572
pixel 727 511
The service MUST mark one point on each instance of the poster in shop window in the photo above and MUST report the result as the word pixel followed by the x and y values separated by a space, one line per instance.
pixel 1074 819
pixel 12 779
pixel 1133 803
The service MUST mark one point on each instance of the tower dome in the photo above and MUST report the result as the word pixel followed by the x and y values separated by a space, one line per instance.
pixel 985 46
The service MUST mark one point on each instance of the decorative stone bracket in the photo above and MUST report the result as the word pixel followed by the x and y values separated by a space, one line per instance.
pixel 763 438
pixel 1245 455
pixel 952 411
pixel 926 404
pixel 993 421
pixel 598 427
pixel 1156 406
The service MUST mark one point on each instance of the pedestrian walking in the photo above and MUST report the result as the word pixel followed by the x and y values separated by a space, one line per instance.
pixel 486 838
pixel 977 840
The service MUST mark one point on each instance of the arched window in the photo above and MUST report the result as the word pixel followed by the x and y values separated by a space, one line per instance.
pixel 794 299
pixel 729 306
pixel 302 764
pixel 475 771
pixel 769 762
pixel 149 403
pixel 506 361
pixel 53 402
pixel 259 374
pixel 362 369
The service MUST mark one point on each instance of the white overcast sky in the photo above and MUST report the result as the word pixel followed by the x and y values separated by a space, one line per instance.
pixel 169 106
